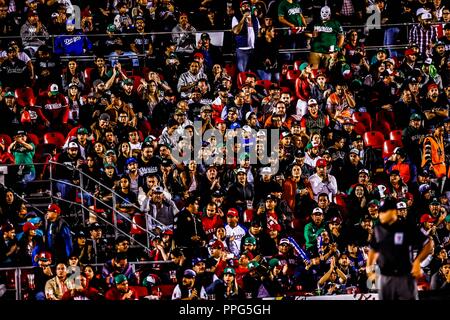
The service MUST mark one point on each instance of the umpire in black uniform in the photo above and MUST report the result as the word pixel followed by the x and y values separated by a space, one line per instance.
pixel 392 248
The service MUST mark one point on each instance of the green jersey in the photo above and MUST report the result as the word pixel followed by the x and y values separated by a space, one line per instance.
pixel 24 156
pixel 327 36
pixel 291 12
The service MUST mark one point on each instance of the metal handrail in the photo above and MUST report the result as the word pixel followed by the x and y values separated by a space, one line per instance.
pixel 356 26
pixel 103 186
pixel 148 233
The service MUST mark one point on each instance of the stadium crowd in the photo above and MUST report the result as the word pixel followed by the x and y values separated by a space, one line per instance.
pixel 115 94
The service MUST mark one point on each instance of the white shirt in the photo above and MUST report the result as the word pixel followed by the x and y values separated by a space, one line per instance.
pixel 238 233
pixel 176 295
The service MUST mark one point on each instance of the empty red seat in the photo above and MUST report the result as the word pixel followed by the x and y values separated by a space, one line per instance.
pixel 396 135
pixel 141 291
pixel 297 64
pixel 387 116
pixel 364 118
pixel 33 138
pixel 373 139
pixel 292 75
pixel 389 147
pixel 264 83
pixel 25 97
pixel 56 138
pixel 138 224
pixel 87 76
pixel 360 128
pixel 7 139
pixel 382 126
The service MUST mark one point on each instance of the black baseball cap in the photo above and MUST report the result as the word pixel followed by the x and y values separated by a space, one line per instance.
pixel 387 204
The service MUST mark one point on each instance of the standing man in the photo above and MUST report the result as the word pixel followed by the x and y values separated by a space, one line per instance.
pixel 327 38
pixel 58 236
pixel 189 231
pixel 245 26
pixel 391 250
pixel 290 15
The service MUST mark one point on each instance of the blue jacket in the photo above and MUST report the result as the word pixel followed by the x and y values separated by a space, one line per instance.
pixel 72 44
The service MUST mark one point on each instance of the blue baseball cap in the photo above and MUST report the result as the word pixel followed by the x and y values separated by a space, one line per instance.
pixel 131 160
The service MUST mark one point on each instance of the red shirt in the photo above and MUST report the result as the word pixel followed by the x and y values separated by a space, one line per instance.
pixel 210 225
pixel 53 108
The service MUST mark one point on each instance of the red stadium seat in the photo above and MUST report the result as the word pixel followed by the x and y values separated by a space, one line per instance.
pixel 360 128
pixel 7 139
pixel 25 97
pixel 72 133
pixel 138 220
pixel 87 76
pixel 141 291
pixel 387 116
pixel 389 147
pixel 297 64
pixel 373 139
pixel 242 76
pixel 382 126
pixel 292 75
pixel 33 138
pixel 264 83
pixel 56 138
pixel 396 135
pixel 364 118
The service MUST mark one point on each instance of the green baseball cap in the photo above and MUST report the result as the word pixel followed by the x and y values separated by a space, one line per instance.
pixel 253 265
pixel 274 262
pixel 250 240
pixel 447 218
pixel 229 271
pixel 111 28
pixel 9 94
pixel 120 278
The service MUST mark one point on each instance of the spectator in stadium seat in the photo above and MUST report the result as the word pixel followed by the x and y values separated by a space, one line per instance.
pixel 184 34
pixel 13 71
pixel 73 74
pixel 33 33
pixel 58 285
pixel 52 108
pixel 189 288
pixel 117 266
pixel 47 68
pixel 188 80
pixel 72 43
pixel 121 290
pixel 142 43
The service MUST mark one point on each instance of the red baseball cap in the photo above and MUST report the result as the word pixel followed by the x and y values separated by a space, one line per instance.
pixel 432 86
pixel 321 163
pixel 426 218
pixel 217 244
pixel 54 208
pixel 198 55
pixel 232 213
pixel 28 226
pixel 409 52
